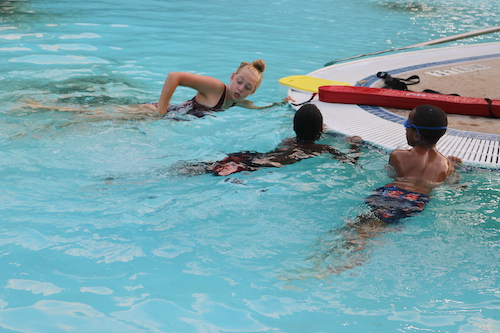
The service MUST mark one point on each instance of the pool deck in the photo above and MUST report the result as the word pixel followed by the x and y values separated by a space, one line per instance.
pixel 470 70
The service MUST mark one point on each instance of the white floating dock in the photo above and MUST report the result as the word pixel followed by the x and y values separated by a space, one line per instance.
pixel 384 128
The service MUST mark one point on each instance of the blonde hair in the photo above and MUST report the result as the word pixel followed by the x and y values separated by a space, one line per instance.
pixel 257 67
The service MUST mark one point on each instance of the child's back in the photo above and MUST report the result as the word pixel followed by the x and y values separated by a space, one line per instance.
pixel 422 168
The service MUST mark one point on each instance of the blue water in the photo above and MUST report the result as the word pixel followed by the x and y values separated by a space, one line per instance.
pixel 100 233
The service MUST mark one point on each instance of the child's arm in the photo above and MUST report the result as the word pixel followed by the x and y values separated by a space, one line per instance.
pixel 455 164
pixel 355 142
pixel 391 172
pixel 341 156
pixel 455 161
pixel 353 155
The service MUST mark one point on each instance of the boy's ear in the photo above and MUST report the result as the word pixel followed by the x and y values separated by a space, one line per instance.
pixel 413 135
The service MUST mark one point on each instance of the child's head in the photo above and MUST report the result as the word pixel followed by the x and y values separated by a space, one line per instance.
pixel 429 122
pixel 308 123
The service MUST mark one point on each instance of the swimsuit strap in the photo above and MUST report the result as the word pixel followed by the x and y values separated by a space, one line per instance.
pixel 221 100
pixel 219 103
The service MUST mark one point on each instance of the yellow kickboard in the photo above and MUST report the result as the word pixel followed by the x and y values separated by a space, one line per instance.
pixel 308 83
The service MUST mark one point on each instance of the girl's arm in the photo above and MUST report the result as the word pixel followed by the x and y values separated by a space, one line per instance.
pixel 208 87
pixel 249 104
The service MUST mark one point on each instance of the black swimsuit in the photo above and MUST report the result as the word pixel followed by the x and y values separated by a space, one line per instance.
pixel 199 110
pixel 192 107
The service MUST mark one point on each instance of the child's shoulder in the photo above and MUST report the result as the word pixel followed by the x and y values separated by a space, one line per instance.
pixel 400 153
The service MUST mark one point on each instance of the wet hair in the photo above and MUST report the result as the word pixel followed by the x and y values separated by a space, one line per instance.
pixel 430 116
pixel 308 123
pixel 257 67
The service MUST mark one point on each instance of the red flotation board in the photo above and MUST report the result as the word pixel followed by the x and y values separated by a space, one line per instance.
pixel 402 99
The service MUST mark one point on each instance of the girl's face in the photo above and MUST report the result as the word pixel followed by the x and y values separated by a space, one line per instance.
pixel 242 84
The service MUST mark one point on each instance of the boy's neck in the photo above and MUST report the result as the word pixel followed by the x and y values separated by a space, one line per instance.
pixel 425 146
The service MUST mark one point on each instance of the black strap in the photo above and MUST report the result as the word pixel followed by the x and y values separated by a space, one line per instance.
pixel 398 83
pixel 490 107
pixel 310 99
pixel 437 92
pixel 409 81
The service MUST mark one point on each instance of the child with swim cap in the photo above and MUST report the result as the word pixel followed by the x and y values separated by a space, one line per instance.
pixel 308 127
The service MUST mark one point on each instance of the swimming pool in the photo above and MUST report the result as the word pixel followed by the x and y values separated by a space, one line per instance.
pixel 99 233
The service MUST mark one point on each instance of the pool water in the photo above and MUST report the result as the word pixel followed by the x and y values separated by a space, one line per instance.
pixel 100 232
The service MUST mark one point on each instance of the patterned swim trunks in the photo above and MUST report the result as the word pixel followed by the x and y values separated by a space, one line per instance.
pixel 391 203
